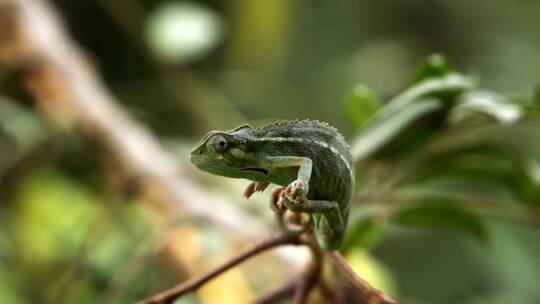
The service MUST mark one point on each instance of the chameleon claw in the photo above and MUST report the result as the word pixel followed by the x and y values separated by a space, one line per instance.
pixel 255 187
pixel 261 186
pixel 276 200
pixel 249 190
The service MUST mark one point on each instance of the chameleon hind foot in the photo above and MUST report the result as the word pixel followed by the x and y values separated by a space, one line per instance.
pixel 293 223
pixel 276 200
pixel 290 223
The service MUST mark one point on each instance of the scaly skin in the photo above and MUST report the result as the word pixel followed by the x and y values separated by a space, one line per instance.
pixel 309 158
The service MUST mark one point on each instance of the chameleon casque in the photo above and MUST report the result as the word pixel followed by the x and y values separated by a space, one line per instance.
pixel 309 159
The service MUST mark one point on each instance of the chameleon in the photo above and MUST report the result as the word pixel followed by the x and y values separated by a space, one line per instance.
pixel 309 161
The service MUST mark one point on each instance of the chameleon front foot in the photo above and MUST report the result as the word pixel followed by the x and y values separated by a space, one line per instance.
pixel 295 195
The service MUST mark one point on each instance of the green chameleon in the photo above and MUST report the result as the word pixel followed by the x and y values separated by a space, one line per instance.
pixel 309 159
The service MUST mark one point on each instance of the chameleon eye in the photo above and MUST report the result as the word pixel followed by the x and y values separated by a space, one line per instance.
pixel 218 143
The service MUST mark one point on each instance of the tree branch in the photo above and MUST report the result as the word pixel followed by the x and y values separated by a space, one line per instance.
pixel 67 88
pixel 278 294
pixel 193 284
pixel 370 294
pixel 312 274
pixel 299 288
pixel 57 73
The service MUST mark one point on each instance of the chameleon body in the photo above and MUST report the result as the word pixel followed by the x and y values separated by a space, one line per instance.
pixel 309 158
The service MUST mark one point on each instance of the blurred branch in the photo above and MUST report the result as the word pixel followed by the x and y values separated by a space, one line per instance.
pixel 67 88
pixel 299 288
pixel 370 294
pixel 311 275
pixel 278 294
pixel 193 284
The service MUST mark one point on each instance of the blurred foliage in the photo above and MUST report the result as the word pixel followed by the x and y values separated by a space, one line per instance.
pixel 445 155
pixel 440 162
pixel 448 190
pixel 180 32
pixel 361 103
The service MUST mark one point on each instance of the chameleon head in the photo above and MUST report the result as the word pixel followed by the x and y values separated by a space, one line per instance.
pixel 228 153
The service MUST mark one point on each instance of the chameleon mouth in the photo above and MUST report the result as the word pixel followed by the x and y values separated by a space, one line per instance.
pixel 260 170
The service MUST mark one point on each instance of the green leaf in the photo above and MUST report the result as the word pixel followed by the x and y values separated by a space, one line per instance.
pixel 492 172
pixel 390 125
pixel 9 291
pixel 364 231
pixel 530 181
pixel 494 105
pixel 536 97
pixel 521 139
pixel 443 214
pixel 361 103
pixel 393 129
pixel 446 87
pixel 23 127
pixel 435 65
pixel 372 270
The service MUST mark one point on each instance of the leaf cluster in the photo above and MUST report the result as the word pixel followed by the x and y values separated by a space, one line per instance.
pixel 443 154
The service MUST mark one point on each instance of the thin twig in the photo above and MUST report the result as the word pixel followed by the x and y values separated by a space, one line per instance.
pixel 329 295
pixel 193 284
pixel 312 274
pixel 299 287
pixel 370 294
pixel 280 293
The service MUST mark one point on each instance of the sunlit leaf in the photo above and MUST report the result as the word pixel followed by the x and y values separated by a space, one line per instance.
pixel 516 140
pixel 53 213
pixel 444 87
pixel 426 101
pixel 183 31
pixel 536 97
pixel 372 270
pixel 361 104
pixel 188 299
pixel 57 217
pixel 8 291
pixel 381 131
pixel 435 65
pixel 21 125
pixel 494 105
pixel 365 230
pixel 532 167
